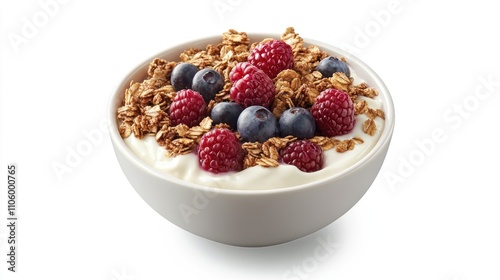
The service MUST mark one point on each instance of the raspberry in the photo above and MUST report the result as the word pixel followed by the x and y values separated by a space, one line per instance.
pixel 188 107
pixel 251 86
pixel 220 151
pixel 304 154
pixel 333 112
pixel 272 57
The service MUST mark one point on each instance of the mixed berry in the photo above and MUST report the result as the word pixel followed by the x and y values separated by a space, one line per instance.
pixel 251 86
pixel 333 112
pixel 257 124
pixel 226 112
pixel 208 83
pixel 220 151
pixel 272 57
pixel 182 76
pixel 248 117
pixel 188 107
pixel 329 65
pixel 305 155
pixel 298 122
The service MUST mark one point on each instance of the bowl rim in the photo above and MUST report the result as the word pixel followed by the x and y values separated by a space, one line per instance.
pixel 384 139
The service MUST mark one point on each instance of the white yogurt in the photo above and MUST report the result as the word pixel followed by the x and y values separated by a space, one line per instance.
pixel 186 167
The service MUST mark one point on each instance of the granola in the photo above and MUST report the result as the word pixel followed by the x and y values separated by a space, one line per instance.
pixel 146 103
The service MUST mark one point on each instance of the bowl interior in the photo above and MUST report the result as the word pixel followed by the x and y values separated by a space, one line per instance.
pixel 139 73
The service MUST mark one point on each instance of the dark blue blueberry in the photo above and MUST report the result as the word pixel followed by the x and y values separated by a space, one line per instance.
pixel 226 112
pixel 208 83
pixel 257 124
pixel 328 66
pixel 182 76
pixel 297 122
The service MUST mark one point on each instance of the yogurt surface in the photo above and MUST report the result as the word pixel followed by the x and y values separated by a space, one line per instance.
pixel 186 167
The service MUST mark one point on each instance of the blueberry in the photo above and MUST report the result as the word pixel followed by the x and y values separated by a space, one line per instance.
pixel 257 124
pixel 208 83
pixel 182 76
pixel 297 122
pixel 226 112
pixel 328 66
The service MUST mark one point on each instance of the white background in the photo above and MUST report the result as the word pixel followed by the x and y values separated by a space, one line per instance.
pixel 432 213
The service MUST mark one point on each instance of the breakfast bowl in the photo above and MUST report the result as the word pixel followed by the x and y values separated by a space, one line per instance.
pixel 252 216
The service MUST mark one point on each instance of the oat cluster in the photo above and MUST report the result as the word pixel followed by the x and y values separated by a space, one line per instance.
pixel 146 103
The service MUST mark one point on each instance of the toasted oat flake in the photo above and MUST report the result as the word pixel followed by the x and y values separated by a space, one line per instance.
pixel 252 148
pixel 267 162
pixel 233 37
pixel 340 81
pixel 369 127
pixel 125 130
pixel 293 39
pixel 127 113
pixel 360 107
pixel 180 146
pixel 327 143
pixel 345 145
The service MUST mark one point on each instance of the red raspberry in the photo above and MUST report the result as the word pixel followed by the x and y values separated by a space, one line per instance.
pixel 188 107
pixel 220 151
pixel 304 154
pixel 333 112
pixel 272 57
pixel 251 86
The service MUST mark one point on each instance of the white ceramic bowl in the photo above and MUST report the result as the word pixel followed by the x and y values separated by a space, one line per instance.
pixel 252 217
